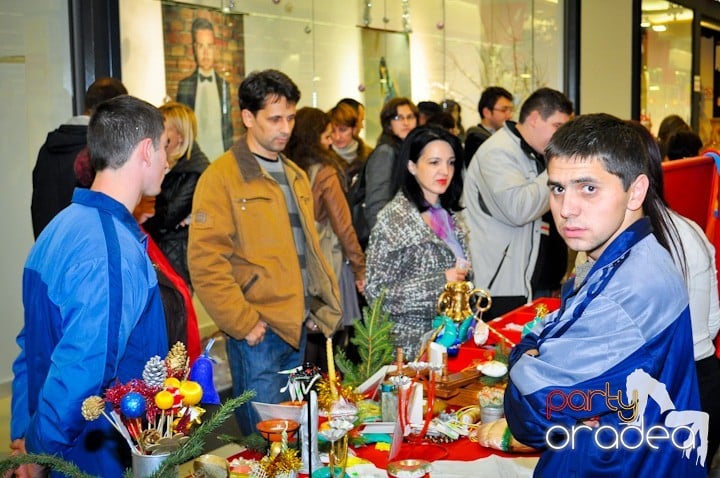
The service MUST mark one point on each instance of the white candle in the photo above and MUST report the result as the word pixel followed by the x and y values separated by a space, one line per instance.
pixel 331 368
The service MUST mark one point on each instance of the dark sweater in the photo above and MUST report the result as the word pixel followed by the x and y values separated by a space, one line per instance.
pixel 53 177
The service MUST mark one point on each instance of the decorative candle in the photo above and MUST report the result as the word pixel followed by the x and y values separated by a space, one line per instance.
pixel 331 369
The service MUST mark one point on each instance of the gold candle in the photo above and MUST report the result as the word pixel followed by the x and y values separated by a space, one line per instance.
pixel 331 368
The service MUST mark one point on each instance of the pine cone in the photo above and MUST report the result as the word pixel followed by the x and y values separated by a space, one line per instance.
pixel 154 372
pixel 177 360
pixel 92 408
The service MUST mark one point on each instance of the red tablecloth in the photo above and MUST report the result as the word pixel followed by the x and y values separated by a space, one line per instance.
pixel 469 354
pixel 460 450
pixel 509 325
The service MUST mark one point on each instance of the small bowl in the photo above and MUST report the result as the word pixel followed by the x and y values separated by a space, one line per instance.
pixel 410 468
pixel 272 429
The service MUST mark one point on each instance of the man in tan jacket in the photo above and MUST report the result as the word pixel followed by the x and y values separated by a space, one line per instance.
pixel 253 250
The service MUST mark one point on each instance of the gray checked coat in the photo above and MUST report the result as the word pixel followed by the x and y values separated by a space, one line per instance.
pixel 409 260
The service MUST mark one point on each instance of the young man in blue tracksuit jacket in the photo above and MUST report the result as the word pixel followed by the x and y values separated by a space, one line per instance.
pixel 623 331
pixel 93 313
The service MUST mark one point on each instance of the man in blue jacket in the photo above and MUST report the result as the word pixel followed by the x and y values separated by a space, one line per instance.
pixel 93 313
pixel 606 386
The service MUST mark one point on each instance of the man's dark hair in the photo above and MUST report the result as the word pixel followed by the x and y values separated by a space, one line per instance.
pixel 623 153
pixel 116 128
pixel 443 119
pixel 547 102
pixel 103 89
pixel 490 97
pixel 411 150
pixel 429 108
pixel 201 24
pixel 657 183
pixel 260 86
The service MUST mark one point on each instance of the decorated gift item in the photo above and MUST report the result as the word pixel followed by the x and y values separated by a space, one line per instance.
pixel 456 322
pixel 155 415
pixel 540 312
pixel 280 461
pixel 122 408
pixel 497 435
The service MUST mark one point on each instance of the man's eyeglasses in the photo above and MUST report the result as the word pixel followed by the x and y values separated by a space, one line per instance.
pixel 504 109
pixel 401 117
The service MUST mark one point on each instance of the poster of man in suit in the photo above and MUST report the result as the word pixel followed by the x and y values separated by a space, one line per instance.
pixel 204 66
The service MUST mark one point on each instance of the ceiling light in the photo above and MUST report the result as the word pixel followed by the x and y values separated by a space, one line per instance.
pixel 659 28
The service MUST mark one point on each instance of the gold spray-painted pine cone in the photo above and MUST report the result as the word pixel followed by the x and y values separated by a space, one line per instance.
pixel 92 408
pixel 177 360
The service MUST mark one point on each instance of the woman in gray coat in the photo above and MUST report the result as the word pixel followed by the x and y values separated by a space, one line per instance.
pixel 418 244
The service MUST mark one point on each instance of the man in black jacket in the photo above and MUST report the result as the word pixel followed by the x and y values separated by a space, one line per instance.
pixel 53 176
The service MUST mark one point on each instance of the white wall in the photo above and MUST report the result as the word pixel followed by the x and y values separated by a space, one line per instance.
pixel 36 96
pixel 606 54
pixel 142 53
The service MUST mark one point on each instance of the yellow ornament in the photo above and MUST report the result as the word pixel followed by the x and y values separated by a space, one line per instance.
pixel 191 391
pixel 164 400
pixel 171 382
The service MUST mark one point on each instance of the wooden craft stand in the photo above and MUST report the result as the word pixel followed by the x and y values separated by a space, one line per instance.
pixel 449 385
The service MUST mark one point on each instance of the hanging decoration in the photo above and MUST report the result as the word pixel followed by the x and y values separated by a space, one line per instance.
pixel 407 28
pixel 366 13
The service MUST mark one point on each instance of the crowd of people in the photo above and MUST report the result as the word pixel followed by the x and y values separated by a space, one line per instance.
pixel 294 227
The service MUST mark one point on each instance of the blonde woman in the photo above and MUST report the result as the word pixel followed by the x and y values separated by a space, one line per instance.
pixel 173 205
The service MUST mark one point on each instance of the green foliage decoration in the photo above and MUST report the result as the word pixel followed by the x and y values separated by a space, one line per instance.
pixel 373 338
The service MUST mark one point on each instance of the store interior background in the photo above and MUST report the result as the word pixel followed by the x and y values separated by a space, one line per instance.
pixel 455 48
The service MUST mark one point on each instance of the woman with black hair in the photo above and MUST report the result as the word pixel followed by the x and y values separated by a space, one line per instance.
pixel 418 244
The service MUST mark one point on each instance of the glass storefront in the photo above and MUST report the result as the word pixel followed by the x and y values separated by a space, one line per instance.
pixel 666 80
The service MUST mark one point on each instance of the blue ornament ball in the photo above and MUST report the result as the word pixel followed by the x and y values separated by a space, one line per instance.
pixel 132 405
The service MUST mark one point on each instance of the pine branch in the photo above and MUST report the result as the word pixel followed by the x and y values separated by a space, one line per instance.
pixel 373 338
pixel 50 462
pixel 347 367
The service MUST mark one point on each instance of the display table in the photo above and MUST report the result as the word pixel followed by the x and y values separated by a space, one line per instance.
pixel 462 457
